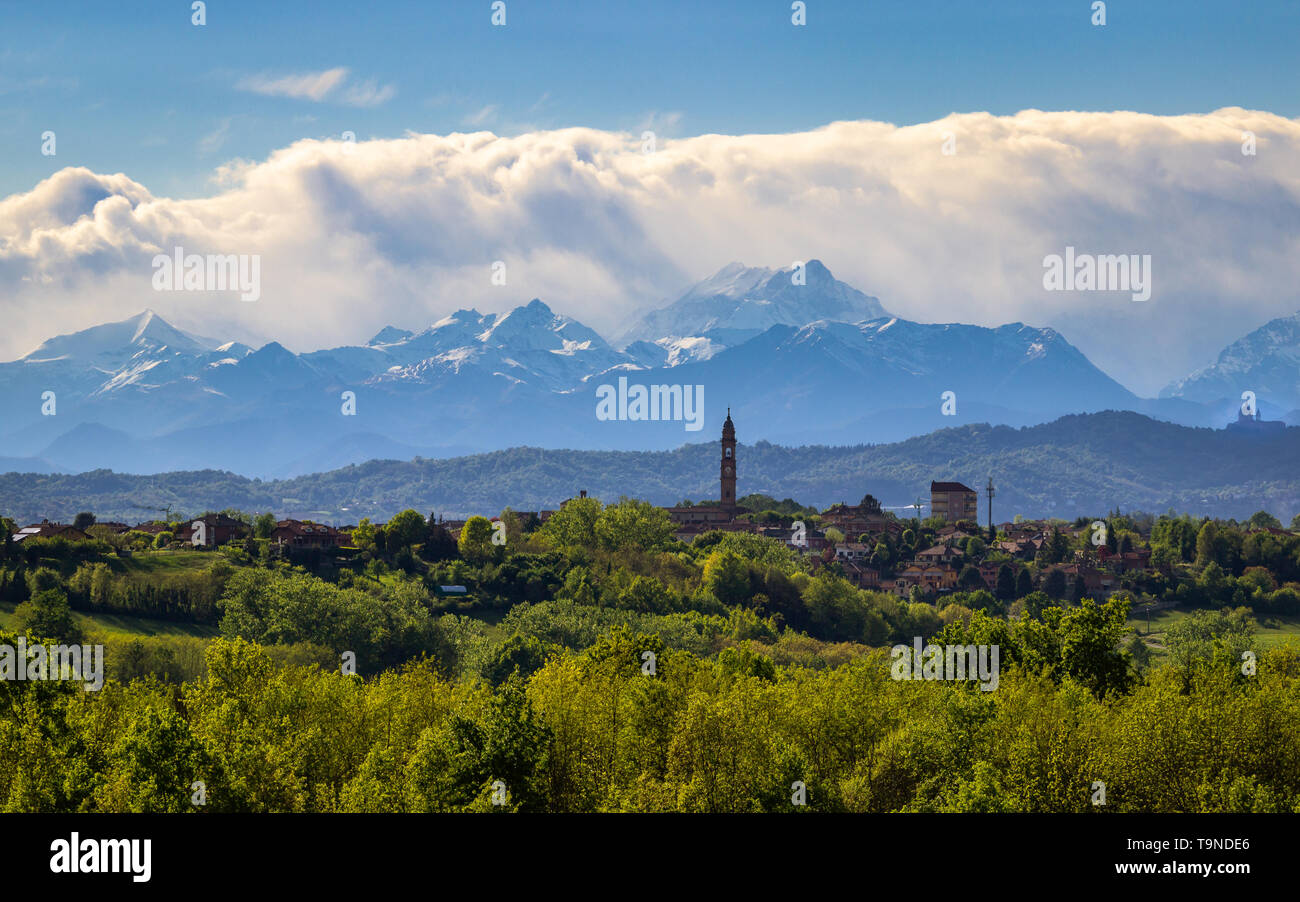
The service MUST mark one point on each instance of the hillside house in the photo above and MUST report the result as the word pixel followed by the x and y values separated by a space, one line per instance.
pixel 305 534
pixel 215 530
pixel 47 530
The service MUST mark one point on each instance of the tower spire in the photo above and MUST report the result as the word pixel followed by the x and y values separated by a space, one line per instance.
pixel 991 492
pixel 727 467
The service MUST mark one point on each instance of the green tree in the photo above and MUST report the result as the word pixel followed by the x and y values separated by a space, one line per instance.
pixel 1054 583
pixel 1204 636
pixel 264 525
pixel 439 543
pixel 1140 654
pixel 403 531
pixel 574 524
pixel 579 587
pixel 726 576
pixel 1163 558
pixel 1024 582
pixel 1207 544
pixel 630 523
pixel 47 615
pixel 153 764
pixel 1036 603
pixel 475 543
pixel 645 594
pixel 1090 644
pixel 969 579
pixel 1216 584
pixel 1263 519
pixel 1005 587
pixel 522 655
pixel 365 536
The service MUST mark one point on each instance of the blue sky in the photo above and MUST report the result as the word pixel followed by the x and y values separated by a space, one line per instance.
pixel 134 87
pixel 1125 139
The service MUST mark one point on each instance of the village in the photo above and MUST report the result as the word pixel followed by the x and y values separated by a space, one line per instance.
pixel 919 559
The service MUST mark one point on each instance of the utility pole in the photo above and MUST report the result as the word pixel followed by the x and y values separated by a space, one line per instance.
pixel 991 492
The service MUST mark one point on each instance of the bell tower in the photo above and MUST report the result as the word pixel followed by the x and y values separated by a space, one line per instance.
pixel 727 476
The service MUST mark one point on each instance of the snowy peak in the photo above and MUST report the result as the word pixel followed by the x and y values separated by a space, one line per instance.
pixel 531 327
pixel 735 280
pixel 529 344
pixel 389 335
pixel 1266 362
pixel 738 303
pixel 670 352
pixel 146 331
pixel 535 326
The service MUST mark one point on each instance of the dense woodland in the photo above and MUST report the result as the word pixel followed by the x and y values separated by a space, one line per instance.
pixel 595 663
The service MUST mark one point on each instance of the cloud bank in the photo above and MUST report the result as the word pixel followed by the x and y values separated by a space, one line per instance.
pixel 357 236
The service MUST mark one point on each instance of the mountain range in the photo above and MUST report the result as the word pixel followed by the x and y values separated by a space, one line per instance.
pixel 798 356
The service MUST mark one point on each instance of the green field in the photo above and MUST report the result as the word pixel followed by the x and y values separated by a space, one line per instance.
pixel 164 562
pixel 120 623
pixel 1273 630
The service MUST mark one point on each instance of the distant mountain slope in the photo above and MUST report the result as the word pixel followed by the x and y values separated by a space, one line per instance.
pixel 1267 362
pixel 884 379
pixel 1077 465
pixel 739 302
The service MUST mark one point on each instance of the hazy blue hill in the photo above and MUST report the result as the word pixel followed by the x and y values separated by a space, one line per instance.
pixel 1080 464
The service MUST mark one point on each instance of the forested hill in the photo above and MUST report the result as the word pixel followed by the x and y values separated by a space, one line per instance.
pixel 1077 465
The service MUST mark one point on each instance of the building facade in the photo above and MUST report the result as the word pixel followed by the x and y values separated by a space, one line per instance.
pixel 953 501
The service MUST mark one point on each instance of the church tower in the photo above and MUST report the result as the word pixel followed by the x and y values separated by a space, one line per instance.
pixel 728 473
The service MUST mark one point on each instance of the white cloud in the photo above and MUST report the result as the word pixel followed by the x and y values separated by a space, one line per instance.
pixel 216 139
pixel 368 94
pixel 320 86
pixel 314 86
pixel 403 231
pixel 482 116
pixel 540 102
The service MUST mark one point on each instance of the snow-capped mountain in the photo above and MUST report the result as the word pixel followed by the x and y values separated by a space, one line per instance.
pixel 885 378
pixel 528 344
pixel 132 358
pixel 1266 362
pixel 144 350
pixel 738 302
pixel 142 396
pixel 145 334
pixel 669 352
